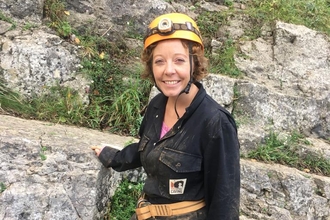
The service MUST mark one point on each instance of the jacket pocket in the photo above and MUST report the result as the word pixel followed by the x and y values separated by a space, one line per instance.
pixel 143 143
pixel 181 162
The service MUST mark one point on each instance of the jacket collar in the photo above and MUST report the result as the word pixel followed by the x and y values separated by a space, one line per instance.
pixel 159 106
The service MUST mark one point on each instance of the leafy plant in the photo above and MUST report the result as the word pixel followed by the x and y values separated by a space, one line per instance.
pixel 123 203
pixel 42 153
pixel 89 47
pixel 55 11
pixel 29 26
pixel 2 187
pixel 228 2
pixel 64 29
pixel 133 30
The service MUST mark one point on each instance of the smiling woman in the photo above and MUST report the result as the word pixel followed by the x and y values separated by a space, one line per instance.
pixel 175 63
pixel 188 146
pixel 171 71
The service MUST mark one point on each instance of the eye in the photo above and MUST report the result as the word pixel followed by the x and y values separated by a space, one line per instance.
pixel 180 60
pixel 159 61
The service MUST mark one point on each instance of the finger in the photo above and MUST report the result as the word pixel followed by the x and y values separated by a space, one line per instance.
pixel 95 147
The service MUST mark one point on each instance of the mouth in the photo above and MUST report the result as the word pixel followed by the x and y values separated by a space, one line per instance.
pixel 172 82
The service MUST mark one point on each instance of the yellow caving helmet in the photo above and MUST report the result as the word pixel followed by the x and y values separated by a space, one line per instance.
pixel 171 26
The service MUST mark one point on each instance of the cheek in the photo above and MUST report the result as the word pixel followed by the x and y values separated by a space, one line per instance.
pixel 157 71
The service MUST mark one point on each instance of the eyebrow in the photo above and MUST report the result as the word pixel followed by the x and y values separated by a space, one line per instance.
pixel 181 54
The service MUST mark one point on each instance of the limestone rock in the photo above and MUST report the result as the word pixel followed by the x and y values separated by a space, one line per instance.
pixel 50 172
pixel 37 60
pixel 269 191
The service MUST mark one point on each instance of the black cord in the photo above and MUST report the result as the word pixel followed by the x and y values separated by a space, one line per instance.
pixel 176 112
pixel 186 90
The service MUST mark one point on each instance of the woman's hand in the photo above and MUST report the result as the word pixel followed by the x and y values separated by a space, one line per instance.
pixel 97 150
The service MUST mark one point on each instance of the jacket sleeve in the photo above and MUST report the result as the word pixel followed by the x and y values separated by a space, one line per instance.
pixel 127 158
pixel 222 169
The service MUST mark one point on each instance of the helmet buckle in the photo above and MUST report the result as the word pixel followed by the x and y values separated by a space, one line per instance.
pixel 189 25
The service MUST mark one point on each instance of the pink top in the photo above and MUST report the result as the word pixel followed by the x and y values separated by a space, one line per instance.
pixel 165 129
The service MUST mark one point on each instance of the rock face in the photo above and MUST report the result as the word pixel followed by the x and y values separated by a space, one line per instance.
pixel 36 60
pixel 287 83
pixel 283 193
pixel 48 171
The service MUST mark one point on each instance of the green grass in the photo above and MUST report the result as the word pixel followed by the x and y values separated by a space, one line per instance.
pixel 60 105
pixel 313 14
pixel 123 203
pixel 284 151
pixel 224 62
pixel 117 95
pixel 9 20
pixel 210 22
pixel 12 102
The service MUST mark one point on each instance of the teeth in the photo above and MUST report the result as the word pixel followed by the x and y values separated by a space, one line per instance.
pixel 171 82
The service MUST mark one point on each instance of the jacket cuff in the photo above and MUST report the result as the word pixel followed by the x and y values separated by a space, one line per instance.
pixel 107 155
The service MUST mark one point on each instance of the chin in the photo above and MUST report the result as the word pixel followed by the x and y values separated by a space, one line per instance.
pixel 171 94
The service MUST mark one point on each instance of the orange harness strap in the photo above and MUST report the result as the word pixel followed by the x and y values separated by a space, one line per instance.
pixel 178 208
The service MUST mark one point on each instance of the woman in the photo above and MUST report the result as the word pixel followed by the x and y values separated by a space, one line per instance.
pixel 188 143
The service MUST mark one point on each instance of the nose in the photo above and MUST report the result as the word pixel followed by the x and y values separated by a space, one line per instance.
pixel 169 68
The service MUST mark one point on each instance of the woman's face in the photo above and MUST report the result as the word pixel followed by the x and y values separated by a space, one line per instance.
pixel 171 68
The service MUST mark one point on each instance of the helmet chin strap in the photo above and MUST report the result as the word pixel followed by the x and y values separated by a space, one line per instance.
pixel 187 89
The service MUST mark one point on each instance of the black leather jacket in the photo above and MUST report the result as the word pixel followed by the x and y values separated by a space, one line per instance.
pixel 198 158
